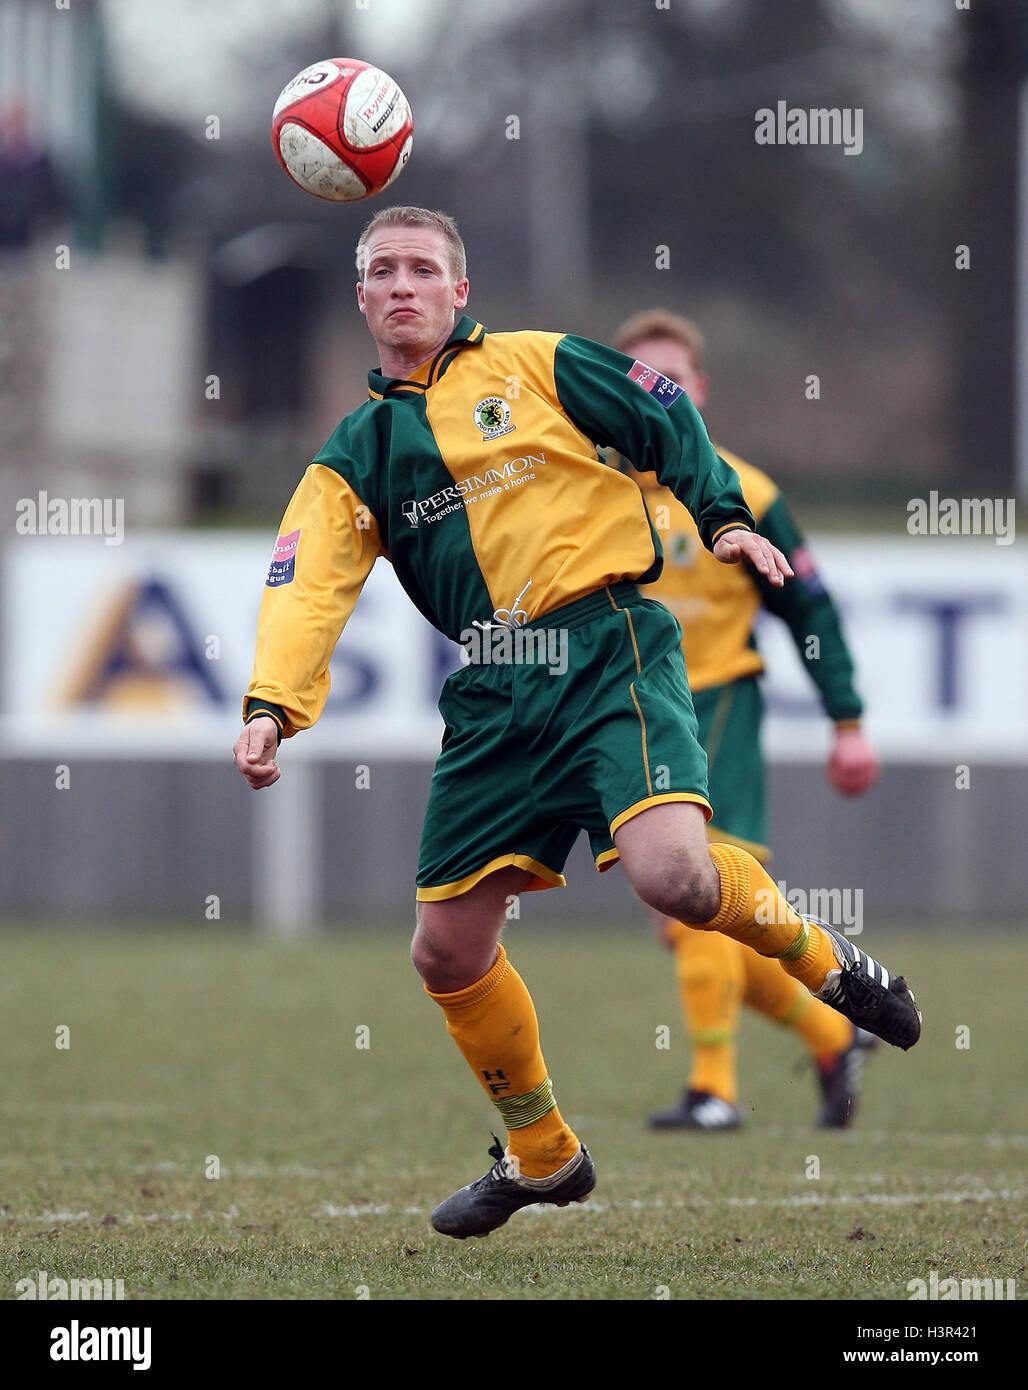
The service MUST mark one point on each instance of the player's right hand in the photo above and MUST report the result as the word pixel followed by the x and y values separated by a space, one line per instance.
pixel 766 559
pixel 853 765
pixel 255 751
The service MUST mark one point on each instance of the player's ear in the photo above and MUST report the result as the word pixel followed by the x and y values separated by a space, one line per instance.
pixel 460 293
pixel 360 297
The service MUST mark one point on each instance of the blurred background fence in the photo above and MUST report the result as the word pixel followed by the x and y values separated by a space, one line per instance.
pixel 179 337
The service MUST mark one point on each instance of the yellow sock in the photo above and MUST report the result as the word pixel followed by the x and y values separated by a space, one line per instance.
pixel 777 995
pixel 709 974
pixel 754 911
pixel 494 1024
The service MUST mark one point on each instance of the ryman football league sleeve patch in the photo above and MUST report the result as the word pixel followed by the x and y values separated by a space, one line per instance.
pixel 283 561
pixel 805 570
pixel 661 388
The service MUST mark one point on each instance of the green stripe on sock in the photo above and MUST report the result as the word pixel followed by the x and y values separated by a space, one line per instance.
pixel 709 1036
pixel 798 947
pixel 519 1111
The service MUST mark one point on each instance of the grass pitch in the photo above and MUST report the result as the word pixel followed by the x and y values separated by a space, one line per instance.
pixel 200 1052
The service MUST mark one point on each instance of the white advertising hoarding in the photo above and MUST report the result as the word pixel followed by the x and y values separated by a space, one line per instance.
pixel 938 627
pixel 145 647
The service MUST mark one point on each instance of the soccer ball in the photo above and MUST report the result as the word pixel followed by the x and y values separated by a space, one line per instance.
pixel 342 129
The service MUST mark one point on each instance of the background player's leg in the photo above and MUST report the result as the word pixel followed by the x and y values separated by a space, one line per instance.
pixel 838 1048
pixel 781 998
pixel 491 1017
pixel 710 974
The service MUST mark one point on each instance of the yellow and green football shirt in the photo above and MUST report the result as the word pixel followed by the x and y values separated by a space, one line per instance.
pixel 479 480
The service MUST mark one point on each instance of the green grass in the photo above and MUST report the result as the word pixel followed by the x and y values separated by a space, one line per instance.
pixel 187 1044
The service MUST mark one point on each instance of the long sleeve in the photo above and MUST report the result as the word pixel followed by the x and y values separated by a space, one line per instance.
pixel 327 545
pixel 808 610
pixel 650 419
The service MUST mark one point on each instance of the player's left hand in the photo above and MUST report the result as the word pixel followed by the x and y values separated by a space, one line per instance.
pixel 853 765
pixel 765 558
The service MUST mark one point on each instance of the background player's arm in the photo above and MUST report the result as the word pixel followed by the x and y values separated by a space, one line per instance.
pixel 303 612
pixel 809 612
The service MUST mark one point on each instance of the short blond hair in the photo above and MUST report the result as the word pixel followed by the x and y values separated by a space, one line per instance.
pixel 661 323
pixel 416 217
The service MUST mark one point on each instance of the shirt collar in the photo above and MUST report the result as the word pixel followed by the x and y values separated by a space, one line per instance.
pixel 466 333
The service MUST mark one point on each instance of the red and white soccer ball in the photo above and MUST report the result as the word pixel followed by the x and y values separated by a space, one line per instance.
pixel 342 129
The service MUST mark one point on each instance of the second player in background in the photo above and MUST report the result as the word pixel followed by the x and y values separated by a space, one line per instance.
pixel 718 606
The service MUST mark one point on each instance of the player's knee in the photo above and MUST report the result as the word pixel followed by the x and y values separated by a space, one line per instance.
pixel 427 954
pixel 439 959
pixel 692 896
pixel 700 900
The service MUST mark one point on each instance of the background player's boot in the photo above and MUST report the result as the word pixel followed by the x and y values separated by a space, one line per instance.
pixel 697 1110
pixel 840 1076
pixel 484 1205
pixel 863 991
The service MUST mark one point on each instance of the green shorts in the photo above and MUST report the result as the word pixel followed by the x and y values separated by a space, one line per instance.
pixel 593 724
pixel 729 718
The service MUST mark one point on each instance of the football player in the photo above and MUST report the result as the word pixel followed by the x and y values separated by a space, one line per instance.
pixel 473 468
pixel 717 606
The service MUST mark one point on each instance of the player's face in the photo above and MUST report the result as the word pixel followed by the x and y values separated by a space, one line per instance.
pixel 409 295
pixel 675 360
